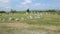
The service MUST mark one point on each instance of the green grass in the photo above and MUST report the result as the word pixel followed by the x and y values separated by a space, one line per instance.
pixel 52 19
pixel 48 20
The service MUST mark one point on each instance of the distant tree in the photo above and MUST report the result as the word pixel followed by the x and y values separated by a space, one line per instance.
pixel 51 10
pixel 2 12
pixel 28 10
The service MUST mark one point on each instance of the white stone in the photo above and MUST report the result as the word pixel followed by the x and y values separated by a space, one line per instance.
pixel 10 19
pixel 29 17
pixel 37 16
pixel 17 19
pixel 46 13
pixel 26 13
pixel 41 14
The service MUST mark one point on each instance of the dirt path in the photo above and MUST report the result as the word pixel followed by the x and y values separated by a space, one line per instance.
pixel 24 25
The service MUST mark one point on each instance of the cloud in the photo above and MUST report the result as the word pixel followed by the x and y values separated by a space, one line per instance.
pixel 4 4
pixel 26 2
pixel 31 4
pixel 21 7
pixel 4 1
pixel 37 4
pixel 24 5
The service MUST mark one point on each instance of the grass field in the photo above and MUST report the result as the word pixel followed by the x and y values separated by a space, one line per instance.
pixel 30 23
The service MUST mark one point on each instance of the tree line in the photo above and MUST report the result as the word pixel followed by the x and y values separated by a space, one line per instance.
pixel 14 11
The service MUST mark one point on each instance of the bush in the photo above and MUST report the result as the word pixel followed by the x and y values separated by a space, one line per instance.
pixel 28 10
pixel 2 12
pixel 51 10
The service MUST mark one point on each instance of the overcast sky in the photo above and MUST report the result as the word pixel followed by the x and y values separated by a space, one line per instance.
pixel 31 4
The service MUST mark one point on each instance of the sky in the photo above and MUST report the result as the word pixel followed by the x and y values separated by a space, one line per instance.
pixel 31 4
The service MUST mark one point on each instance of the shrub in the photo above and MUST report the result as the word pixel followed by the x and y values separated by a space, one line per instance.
pixel 2 12
pixel 28 10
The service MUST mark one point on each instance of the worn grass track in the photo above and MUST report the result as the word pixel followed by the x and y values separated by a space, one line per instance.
pixel 24 25
pixel 27 28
